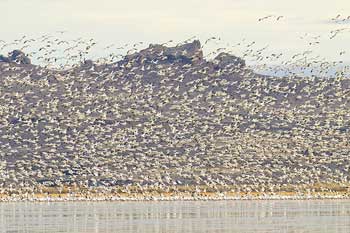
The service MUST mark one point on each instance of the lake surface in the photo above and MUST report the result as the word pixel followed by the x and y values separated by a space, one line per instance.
pixel 176 216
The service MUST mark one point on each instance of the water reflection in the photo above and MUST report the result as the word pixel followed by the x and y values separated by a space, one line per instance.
pixel 212 216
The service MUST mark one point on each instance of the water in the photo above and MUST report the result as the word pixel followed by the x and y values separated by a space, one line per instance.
pixel 188 216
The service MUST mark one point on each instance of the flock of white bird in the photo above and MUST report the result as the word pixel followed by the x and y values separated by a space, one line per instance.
pixel 167 118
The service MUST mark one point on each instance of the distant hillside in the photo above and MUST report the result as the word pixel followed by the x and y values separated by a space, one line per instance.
pixel 166 117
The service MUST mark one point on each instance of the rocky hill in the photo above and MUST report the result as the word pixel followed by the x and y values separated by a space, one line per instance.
pixel 166 117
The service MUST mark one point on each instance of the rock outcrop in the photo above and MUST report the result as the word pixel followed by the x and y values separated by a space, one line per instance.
pixel 4 59
pixel 189 53
pixel 224 60
pixel 16 56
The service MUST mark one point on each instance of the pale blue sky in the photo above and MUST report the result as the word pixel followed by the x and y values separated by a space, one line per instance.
pixel 156 21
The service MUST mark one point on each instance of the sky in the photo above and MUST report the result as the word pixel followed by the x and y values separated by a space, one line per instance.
pixel 157 21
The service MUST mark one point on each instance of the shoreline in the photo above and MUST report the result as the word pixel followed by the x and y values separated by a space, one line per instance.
pixel 171 197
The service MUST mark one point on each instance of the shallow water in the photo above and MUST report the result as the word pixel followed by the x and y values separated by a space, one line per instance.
pixel 176 216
